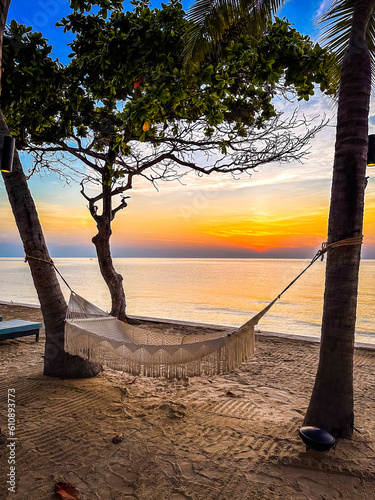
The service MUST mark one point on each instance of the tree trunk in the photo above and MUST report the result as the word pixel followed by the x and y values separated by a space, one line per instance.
pixel 103 251
pixel 4 7
pixel 57 363
pixel 331 405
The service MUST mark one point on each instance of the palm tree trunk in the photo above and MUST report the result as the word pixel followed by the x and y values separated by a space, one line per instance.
pixel 101 240
pixel 4 7
pixel 57 363
pixel 331 406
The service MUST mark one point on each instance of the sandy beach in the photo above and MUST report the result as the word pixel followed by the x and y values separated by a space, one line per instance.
pixel 228 437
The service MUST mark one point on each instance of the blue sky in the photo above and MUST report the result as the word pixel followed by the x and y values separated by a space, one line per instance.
pixel 42 15
pixel 278 212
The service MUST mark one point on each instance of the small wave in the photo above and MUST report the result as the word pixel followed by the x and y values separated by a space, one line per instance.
pixel 364 333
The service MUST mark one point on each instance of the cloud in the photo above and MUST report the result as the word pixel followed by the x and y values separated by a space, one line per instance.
pixel 317 164
pixel 323 6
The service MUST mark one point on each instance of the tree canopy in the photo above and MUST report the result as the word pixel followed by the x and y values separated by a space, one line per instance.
pixel 126 105
pixel 126 81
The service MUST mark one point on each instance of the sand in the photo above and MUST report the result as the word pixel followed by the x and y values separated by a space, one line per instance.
pixel 181 439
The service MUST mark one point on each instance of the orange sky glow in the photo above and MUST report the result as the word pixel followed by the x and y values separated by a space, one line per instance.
pixel 278 211
pixel 243 220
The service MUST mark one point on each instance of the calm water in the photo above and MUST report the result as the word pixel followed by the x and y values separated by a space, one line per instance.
pixel 220 291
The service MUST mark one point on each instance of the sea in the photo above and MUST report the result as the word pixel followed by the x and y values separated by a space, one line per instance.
pixel 216 291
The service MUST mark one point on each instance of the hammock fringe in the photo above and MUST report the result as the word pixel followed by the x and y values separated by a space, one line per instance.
pixel 100 338
pixel 184 362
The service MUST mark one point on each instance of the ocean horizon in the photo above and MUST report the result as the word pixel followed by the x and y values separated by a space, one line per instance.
pixel 222 291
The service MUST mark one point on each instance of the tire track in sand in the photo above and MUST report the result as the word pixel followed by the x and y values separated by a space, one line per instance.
pixel 364 358
pixel 226 428
pixel 60 437
pixel 239 409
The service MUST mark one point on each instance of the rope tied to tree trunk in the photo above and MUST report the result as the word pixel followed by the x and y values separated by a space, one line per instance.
pixel 27 257
pixel 355 240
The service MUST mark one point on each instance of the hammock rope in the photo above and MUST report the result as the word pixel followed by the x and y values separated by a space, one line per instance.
pixel 355 240
pixel 27 257
pixel 97 336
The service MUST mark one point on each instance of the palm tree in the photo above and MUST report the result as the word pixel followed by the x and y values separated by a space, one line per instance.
pixel 4 7
pixel 331 405
pixel 350 32
pixel 57 363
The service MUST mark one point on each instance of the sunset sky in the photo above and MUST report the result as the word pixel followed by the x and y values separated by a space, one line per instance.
pixel 280 211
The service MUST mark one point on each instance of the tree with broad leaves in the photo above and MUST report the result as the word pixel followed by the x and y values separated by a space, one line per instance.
pixel 349 31
pixel 125 106
pixel 57 363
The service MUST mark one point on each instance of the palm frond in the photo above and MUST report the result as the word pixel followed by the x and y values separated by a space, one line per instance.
pixel 335 29
pixel 212 18
pixel 209 18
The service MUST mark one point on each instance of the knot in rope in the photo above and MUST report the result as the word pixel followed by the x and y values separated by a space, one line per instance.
pixel 355 240
pixel 323 250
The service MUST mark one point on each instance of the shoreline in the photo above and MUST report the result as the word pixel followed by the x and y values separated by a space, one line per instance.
pixel 229 436
pixel 289 336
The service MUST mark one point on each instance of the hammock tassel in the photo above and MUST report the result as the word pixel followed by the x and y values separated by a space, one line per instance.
pixel 94 335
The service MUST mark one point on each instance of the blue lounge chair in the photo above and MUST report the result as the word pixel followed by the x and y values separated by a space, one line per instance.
pixel 15 328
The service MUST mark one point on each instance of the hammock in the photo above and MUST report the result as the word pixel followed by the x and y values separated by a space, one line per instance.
pixel 95 335
pixel 100 338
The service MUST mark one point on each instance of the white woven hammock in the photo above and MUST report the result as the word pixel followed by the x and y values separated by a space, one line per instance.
pixel 95 335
